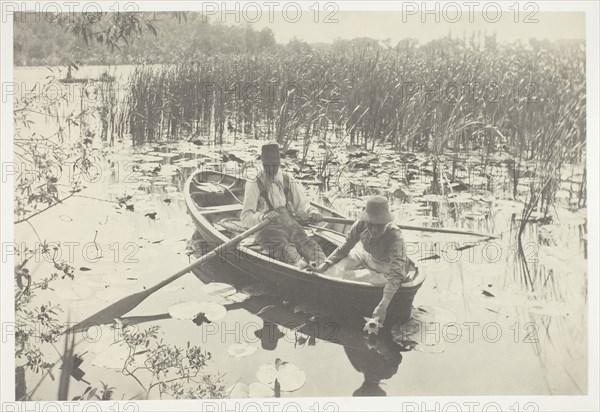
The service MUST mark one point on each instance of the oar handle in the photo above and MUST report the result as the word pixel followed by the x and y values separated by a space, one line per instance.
pixel 416 228
pixel 205 258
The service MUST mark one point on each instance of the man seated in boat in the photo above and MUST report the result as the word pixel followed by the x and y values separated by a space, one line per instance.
pixel 381 251
pixel 276 197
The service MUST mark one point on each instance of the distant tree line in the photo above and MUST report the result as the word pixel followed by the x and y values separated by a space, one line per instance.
pixel 143 38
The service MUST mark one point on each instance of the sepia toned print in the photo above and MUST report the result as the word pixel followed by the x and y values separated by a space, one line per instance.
pixel 244 201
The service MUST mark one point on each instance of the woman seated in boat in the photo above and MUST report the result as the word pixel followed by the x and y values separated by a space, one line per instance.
pixel 276 197
pixel 381 250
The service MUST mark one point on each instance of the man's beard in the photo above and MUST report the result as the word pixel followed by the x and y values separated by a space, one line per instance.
pixel 270 175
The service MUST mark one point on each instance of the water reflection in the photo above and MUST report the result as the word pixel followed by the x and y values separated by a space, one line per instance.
pixel 269 335
pixel 377 359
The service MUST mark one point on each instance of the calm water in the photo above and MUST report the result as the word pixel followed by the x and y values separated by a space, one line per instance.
pixel 485 332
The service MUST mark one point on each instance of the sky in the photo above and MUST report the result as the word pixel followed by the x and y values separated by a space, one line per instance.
pixel 393 25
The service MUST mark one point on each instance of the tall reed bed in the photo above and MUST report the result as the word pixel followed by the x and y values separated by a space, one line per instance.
pixel 446 98
pixel 447 93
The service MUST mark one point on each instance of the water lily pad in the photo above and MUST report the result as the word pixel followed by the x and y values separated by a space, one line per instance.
pixel 112 357
pixel 260 390
pixel 185 310
pixel 212 310
pixel 240 350
pixel 218 289
pixel 289 376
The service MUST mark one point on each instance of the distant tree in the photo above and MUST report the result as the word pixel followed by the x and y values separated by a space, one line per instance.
pixel 266 39
pixel 299 46
pixel 112 29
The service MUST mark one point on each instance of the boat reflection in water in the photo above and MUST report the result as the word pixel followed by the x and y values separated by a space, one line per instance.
pixel 377 357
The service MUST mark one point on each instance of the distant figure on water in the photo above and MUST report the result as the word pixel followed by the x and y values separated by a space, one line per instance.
pixel 381 250
pixel 276 197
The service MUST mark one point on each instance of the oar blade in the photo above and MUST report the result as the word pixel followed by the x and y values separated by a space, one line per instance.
pixel 110 313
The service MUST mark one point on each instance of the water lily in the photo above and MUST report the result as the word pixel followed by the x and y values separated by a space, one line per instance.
pixel 372 325
pixel 283 376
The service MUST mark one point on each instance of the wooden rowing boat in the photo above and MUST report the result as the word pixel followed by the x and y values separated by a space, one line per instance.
pixel 213 200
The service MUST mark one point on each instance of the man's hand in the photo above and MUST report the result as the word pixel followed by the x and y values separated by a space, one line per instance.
pixel 272 216
pixel 323 267
pixel 315 216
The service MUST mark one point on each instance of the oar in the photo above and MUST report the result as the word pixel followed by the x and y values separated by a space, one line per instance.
pixel 121 307
pixel 417 228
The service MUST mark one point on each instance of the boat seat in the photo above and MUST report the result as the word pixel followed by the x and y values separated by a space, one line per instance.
pixel 208 187
pixel 233 225
pixel 213 210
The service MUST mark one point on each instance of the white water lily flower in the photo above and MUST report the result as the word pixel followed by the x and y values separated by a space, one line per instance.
pixel 372 325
